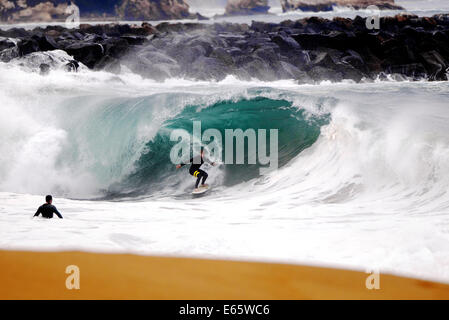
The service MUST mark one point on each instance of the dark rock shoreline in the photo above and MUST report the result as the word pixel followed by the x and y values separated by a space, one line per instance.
pixel 307 50
pixel 15 11
pixel 328 5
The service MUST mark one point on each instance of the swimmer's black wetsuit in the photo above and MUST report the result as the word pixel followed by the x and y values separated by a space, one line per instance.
pixel 195 170
pixel 47 211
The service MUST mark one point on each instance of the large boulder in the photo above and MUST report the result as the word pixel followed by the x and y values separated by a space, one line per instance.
pixel 88 53
pixel 9 49
pixel 6 43
pixel 153 9
pixel 247 7
pixel 44 62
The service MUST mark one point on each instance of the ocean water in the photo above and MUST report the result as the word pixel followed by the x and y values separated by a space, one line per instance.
pixel 362 183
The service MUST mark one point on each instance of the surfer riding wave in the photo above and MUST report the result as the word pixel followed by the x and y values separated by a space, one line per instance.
pixel 195 171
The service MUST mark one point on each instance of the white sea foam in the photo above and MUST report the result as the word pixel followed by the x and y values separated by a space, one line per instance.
pixel 370 193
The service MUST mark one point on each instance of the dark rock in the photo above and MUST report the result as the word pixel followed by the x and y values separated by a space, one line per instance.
pixel 416 71
pixel 15 33
pixel 257 68
pixel 262 27
pixel 222 55
pixel 319 73
pixel 315 7
pixel 292 72
pixel 109 64
pixel 149 29
pixel 28 46
pixel 151 63
pixel 116 47
pixel 6 43
pixel 348 72
pixel 399 55
pixel 10 53
pixel 87 53
pixel 206 68
pixel 72 66
pixel 188 54
pixel 435 64
pixel 327 5
pixel 312 41
pixel 206 42
pixel 354 59
pixel 286 43
pixel 45 42
pixel 247 7
pixel 134 40
pixel 310 49
pixel 44 69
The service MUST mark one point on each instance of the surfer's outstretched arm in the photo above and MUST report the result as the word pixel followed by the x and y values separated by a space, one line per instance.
pixel 183 164
pixel 212 163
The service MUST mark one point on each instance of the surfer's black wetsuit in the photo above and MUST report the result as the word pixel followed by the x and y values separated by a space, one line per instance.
pixel 47 211
pixel 195 170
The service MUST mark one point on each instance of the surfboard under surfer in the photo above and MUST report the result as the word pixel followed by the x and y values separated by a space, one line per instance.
pixel 195 171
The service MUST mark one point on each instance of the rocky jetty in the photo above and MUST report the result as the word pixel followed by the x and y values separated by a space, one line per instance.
pixel 14 11
pixel 328 5
pixel 247 7
pixel 307 50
